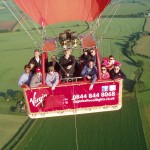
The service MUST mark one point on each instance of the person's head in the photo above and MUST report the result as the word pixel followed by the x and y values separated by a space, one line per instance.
pixel 68 51
pixel 93 52
pixel 111 58
pixel 32 65
pixel 91 63
pixel 103 69
pixel 51 70
pixel 54 58
pixel 116 68
pixel 38 71
pixel 27 68
pixel 36 53
pixel 85 51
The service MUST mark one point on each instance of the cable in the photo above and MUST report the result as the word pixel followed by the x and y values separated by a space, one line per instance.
pixel 34 42
pixel 22 17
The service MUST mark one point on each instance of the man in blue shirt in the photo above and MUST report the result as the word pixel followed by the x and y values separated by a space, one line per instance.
pixel 90 72
pixel 25 78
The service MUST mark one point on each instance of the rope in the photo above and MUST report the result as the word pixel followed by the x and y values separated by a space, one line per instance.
pixel 75 122
pixel 34 42
pixel 24 20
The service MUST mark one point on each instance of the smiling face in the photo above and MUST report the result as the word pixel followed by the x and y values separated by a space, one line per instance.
pixel 92 51
pixel 103 70
pixel 116 69
pixel 91 64
pixel 36 54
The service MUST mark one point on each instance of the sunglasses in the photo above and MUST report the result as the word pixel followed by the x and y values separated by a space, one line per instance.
pixel 111 59
pixel 103 69
pixel 116 68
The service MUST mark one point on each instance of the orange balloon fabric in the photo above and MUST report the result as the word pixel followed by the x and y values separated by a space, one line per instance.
pixel 46 12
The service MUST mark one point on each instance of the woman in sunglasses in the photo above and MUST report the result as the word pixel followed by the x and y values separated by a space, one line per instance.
pixel 116 73
pixel 104 73
pixel 111 62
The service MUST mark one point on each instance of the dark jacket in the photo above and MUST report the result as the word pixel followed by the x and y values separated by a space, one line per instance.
pixel 37 64
pixel 114 75
pixel 64 63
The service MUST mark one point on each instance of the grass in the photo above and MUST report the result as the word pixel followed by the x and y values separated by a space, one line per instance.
pixel 128 8
pixel 147 25
pixel 142 46
pixel 144 105
pixel 9 125
pixel 110 130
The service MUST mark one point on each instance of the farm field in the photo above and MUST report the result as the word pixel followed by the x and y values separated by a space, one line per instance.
pixel 110 130
pixel 9 125
pixel 128 8
pixel 117 130
pixel 144 105
pixel 142 46
pixel 147 25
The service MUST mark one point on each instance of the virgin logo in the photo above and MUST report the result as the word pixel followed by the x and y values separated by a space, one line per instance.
pixel 37 101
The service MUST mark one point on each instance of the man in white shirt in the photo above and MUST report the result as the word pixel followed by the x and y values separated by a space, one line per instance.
pixel 52 78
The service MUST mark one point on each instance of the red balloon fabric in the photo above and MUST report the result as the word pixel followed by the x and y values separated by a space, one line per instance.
pixel 46 12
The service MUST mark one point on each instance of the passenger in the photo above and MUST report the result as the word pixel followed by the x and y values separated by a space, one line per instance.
pixel 104 73
pixel 36 79
pixel 110 63
pixel 32 66
pixel 25 78
pixel 36 59
pixel 85 57
pixel 67 63
pixel 54 63
pixel 116 73
pixel 52 78
pixel 90 72
pixel 93 54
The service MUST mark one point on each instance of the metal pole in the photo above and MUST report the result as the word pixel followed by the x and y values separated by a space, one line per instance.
pixel 43 68
pixel 98 64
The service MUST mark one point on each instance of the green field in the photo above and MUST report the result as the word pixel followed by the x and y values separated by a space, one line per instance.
pixel 142 46
pixel 147 25
pixel 9 125
pixel 126 129
pixel 107 131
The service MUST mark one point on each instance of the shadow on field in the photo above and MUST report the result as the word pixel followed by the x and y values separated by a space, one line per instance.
pixel 12 95
pixel 129 62
pixel 128 85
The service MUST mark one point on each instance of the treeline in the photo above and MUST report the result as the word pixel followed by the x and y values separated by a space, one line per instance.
pixel 128 51
pixel 138 15
pixel 15 96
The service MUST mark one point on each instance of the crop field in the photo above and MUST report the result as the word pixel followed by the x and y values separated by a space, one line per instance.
pixel 142 46
pixel 118 130
pixel 110 130
pixel 127 8
pixel 147 25
pixel 9 125
pixel 143 100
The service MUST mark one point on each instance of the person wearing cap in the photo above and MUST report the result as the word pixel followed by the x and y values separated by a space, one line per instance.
pixel 36 78
pixel 90 72
pixel 25 78
pixel 67 63
pixel 104 73
pixel 116 73
pixel 52 78
pixel 36 59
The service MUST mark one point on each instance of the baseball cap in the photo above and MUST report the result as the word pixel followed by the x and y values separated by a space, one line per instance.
pixel 38 69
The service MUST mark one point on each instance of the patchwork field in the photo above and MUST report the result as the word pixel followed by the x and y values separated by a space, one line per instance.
pixel 142 46
pixel 119 130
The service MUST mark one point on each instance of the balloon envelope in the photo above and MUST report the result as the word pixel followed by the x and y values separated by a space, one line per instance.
pixel 46 12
